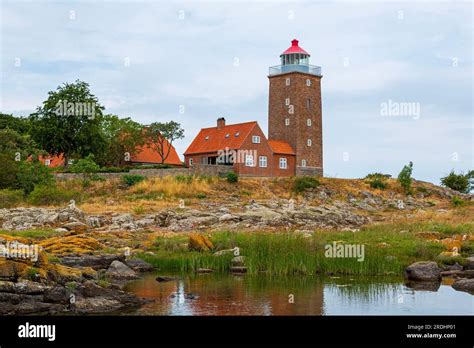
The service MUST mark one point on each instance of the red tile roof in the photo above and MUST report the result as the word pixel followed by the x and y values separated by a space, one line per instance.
pixel 281 147
pixel 214 139
pixel 148 155
pixel 56 161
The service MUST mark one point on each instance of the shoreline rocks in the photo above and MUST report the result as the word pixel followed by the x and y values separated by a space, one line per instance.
pixel 423 271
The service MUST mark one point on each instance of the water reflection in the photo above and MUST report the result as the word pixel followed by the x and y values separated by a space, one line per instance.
pixel 222 294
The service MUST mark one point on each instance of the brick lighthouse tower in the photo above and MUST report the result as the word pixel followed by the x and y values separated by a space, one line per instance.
pixel 294 109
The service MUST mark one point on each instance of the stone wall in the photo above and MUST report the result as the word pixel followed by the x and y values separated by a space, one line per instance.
pixel 197 169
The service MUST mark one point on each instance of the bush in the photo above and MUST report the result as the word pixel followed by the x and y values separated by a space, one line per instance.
pixel 51 195
pixel 377 180
pixel 86 166
pixel 232 177
pixel 300 184
pixel 457 182
pixel 404 178
pixel 10 198
pixel 457 202
pixel 31 174
pixel 132 179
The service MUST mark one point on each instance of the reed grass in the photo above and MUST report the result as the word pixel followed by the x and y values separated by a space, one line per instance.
pixel 389 249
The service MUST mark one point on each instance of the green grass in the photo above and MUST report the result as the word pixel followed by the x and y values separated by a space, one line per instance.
pixel 292 253
pixel 32 233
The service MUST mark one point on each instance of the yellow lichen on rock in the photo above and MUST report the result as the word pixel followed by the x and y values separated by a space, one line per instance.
pixel 199 242
pixel 75 244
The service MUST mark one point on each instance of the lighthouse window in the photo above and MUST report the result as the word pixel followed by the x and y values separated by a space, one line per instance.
pixel 308 103
pixel 287 81
pixel 303 163
pixel 308 82
pixel 309 142
pixel 287 121
pixel 287 101
pixel 309 122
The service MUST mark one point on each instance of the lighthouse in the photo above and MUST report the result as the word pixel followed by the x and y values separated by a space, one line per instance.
pixel 295 110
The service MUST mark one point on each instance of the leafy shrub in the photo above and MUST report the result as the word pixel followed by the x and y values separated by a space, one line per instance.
pixel 457 182
pixel 404 178
pixel 10 198
pixel 51 195
pixel 201 196
pixel 132 179
pixel 232 177
pixel 377 180
pixel 31 174
pixel 300 184
pixel 86 166
pixel 457 202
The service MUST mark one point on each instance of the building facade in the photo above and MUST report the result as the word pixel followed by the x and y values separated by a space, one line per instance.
pixel 294 145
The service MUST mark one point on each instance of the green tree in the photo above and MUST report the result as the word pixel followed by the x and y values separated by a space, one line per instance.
pixel 18 124
pixel 160 137
pixel 404 178
pixel 16 145
pixel 457 182
pixel 69 122
pixel 123 137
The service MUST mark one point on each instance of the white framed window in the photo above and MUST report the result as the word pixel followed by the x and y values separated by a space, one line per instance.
pixel 287 101
pixel 309 142
pixel 287 121
pixel 255 139
pixel 283 163
pixel 249 161
pixel 303 163
pixel 190 161
pixel 287 81
pixel 47 162
pixel 309 122
pixel 308 82
pixel 262 161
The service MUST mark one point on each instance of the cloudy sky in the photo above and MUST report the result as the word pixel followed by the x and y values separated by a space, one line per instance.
pixel 196 61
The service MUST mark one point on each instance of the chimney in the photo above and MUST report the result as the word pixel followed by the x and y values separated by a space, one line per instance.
pixel 220 122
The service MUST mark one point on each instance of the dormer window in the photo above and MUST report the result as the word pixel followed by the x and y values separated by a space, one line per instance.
pixel 207 137
pixel 227 135
pixel 237 134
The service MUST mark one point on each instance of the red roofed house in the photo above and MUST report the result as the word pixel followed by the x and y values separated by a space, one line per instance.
pixel 144 155
pixel 147 155
pixel 294 144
